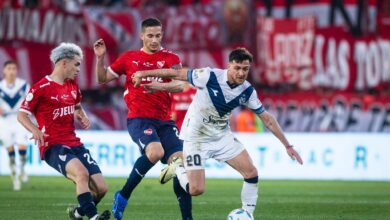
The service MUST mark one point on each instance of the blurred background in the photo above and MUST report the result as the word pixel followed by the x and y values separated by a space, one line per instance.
pixel 322 67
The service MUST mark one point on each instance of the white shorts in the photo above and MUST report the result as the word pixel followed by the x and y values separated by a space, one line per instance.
pixel 12 132
pixel 222 150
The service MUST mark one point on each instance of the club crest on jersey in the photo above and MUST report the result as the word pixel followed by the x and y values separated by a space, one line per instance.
pixel 74 94
pixel 160 64
pixel 242 100
pixel 148 131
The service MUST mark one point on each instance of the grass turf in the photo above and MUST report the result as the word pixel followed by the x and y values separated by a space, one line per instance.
pixel 48 198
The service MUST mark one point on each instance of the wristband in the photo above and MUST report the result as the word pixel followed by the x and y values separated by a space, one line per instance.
pixel 289 146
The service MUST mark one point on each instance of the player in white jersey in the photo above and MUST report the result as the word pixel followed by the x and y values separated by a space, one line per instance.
pixel 12 92
pixel 206 131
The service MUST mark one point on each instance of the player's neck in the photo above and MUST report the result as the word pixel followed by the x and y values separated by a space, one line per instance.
pixel 145 50
pixel 57 77
pixel 10 81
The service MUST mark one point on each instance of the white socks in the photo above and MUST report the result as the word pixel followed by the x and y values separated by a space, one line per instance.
pixel 182 176
pixel 249 196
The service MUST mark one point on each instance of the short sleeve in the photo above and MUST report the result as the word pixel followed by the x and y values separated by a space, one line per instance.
pixel 118 68
pixel 176 63
pixel 32 98
pixel 198 77
pixel 255 104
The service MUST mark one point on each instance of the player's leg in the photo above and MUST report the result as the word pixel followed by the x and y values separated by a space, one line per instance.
pixel 12 166
pixel 244 165
pixel 173 147
pixel 97 184
pixel 195 156
pixel 21 139
pixel 62 159
pixel 143 133
pixel 23 159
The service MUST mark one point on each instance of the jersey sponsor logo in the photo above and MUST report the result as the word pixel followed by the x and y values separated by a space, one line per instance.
pixel 60 112
pixel 219 123
pixel 150 79
pixel 148 131
pixel 160 64
pixel 62 157
pixel 43 85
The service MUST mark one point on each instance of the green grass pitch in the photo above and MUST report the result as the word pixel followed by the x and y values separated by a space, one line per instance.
pixel 48 198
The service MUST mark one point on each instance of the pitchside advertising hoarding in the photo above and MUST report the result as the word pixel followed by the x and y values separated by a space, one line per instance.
pixel 331 156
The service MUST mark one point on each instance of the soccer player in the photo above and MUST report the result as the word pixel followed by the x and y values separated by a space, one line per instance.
pixel 55 103
pixel 149 118
pixel 206 132
pixel 12 92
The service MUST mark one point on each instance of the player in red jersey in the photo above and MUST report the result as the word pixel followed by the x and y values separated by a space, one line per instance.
pixel 55 103
pixel 149 119
pixel 181 102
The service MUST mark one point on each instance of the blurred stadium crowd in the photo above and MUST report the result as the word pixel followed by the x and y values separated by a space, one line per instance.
pixel 320 65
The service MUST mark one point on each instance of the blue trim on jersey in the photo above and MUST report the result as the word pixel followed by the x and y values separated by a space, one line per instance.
pixel 189 76
pixel 259 110
pixel 11 101
pixel 218 99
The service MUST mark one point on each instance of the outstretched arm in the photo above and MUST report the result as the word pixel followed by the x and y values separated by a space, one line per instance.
pixel 174 86
pixel 176 74
pixel 102 75
pixel 273 125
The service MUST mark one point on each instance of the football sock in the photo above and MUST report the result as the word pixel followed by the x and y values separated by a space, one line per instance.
pixel 182 176
pixel 141 167
pixel 23 158
pixel 249 194
pixel 12 164
pixel 184 199
pixel 87 206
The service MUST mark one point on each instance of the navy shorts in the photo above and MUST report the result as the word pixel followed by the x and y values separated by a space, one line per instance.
pixel 57 156
pixel 145 130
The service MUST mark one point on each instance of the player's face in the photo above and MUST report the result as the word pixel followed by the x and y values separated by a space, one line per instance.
pixel 151 38
pixel 10 71
pixel 238 72
pixel 72 67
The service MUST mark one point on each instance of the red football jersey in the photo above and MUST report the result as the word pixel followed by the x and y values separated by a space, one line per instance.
pixel 181 103
pixel 53 106
pixel 156 105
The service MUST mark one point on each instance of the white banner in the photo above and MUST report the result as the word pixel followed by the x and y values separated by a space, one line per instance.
pixel 337 156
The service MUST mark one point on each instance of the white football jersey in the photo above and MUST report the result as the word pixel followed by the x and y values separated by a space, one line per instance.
pixel 207 118
pixel 11 96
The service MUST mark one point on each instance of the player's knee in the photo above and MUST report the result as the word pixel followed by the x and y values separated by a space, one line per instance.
pixel 250 173
pixel 155 155
pixel 196 190
pixel 102 190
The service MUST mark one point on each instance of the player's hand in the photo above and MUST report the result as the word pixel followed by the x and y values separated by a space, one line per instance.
pixel 136 78
pixel 99 47
pixel 294 155
pixel 39 137
pixel 83 119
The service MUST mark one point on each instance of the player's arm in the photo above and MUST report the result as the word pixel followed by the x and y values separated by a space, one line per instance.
pixel 173 87
pixel 38 135
pixel 175 74
pixel 82 117
pixel 102 74
pixel 272 124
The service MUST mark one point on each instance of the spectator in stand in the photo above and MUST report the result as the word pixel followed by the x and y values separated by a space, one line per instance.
pixel 181 102
pixel 245 120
